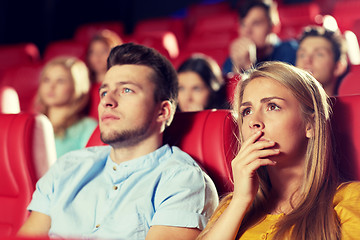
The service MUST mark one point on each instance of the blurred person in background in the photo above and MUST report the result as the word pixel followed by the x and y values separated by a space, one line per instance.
pixel 323 53
pixel 201 85
pixel 63 96
pixel 257 41
pixel 98 52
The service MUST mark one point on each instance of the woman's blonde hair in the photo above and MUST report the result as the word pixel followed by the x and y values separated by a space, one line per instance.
pixel 79 102
pixel 313 217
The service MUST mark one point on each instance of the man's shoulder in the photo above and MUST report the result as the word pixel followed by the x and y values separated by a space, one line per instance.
pixel 182 157
pixel 90 154
pixel 290 44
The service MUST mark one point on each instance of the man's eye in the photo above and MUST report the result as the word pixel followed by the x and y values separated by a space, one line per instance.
pixel 103 94
pixel 127 90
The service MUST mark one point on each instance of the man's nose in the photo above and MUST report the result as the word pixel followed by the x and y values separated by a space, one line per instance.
pixel 109 101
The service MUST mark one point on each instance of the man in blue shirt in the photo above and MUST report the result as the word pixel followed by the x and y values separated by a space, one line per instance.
pixel 257 41
pixel 136 188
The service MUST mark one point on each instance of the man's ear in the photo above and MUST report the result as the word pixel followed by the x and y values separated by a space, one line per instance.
pixel 166 112
pixel 340 68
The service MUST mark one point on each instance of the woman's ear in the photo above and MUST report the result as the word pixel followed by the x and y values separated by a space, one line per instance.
pixel 309 130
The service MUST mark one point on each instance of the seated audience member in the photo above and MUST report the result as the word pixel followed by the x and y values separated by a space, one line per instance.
pixel 97 53
pixel 285 178
pixel 257 41
pixel 63 96
pixel 136 188
pixel 323 53
pixel 201 85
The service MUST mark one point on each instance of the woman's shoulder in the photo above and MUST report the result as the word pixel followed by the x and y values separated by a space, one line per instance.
pixel 347 195
pixel 347 207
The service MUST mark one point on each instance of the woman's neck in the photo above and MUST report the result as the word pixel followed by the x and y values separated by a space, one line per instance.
pixel 100 77
pixel 286 183
pixel 57 115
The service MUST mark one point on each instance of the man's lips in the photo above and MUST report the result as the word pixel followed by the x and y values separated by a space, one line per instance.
pixel 107 117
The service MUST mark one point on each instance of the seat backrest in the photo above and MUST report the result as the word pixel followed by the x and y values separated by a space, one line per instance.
pixel 69 48
pixel 21 151
pixel 17 54
pixel 9 100
pixel 346 129
pixel 25 80
pixel 165 42
pixel 350 84
pixel 208 136
pixel 85 32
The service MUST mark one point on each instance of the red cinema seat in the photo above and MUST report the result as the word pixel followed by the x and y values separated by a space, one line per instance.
pixel 9 100
pixel 346 13
pixel 294 17
pixel 84 33
pixel 217 23
pixel 174 25
pixel 350 84
pixel 346 129
pixel 17 54
pixel 94 101
pixel 26 153
pixel 208 136
pixel 65 48
pixel 25 80
pixel 164 42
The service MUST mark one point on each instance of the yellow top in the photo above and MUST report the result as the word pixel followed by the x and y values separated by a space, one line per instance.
pixel 346 204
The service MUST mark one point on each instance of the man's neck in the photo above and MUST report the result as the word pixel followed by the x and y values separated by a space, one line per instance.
pixel 121 154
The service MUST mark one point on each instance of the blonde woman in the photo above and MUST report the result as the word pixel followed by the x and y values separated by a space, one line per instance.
pixel 63 96
pixel 285 181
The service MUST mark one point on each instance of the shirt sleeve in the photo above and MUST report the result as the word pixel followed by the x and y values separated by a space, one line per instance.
pixel 347 207
pixel 185 198
pixel 43 193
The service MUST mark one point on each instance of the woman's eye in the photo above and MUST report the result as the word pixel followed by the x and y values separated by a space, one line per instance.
pixel 273 106
pixel 246 112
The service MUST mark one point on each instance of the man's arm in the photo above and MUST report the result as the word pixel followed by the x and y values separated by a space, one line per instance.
pixel 38 224
pixel 175 233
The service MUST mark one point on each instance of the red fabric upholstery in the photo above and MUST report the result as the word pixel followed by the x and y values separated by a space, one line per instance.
pixel 174 25
pixel 294 17
pixel 65 48
pixel 16 174
pixel 94 100
pixel 25 80
pixel 345 13
pixel 208 136
pixel 165 42
pixel 9 100
pixel 27 149
pixel 351 82
pixel 17 54
pixel 345 124
pixel 84 33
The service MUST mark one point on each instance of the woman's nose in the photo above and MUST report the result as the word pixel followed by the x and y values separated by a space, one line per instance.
pixel 256 123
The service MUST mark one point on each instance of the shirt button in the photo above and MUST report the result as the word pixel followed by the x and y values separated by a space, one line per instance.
pixel 263 236
pixel 97 225
pixel 115 187
pixel 114 168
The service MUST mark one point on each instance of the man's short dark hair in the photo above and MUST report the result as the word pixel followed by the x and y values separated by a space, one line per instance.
pixel 338 43
pixel 245 8
pixel 165 77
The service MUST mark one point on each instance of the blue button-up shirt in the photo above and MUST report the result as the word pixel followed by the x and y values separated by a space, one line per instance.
pixel 87 195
